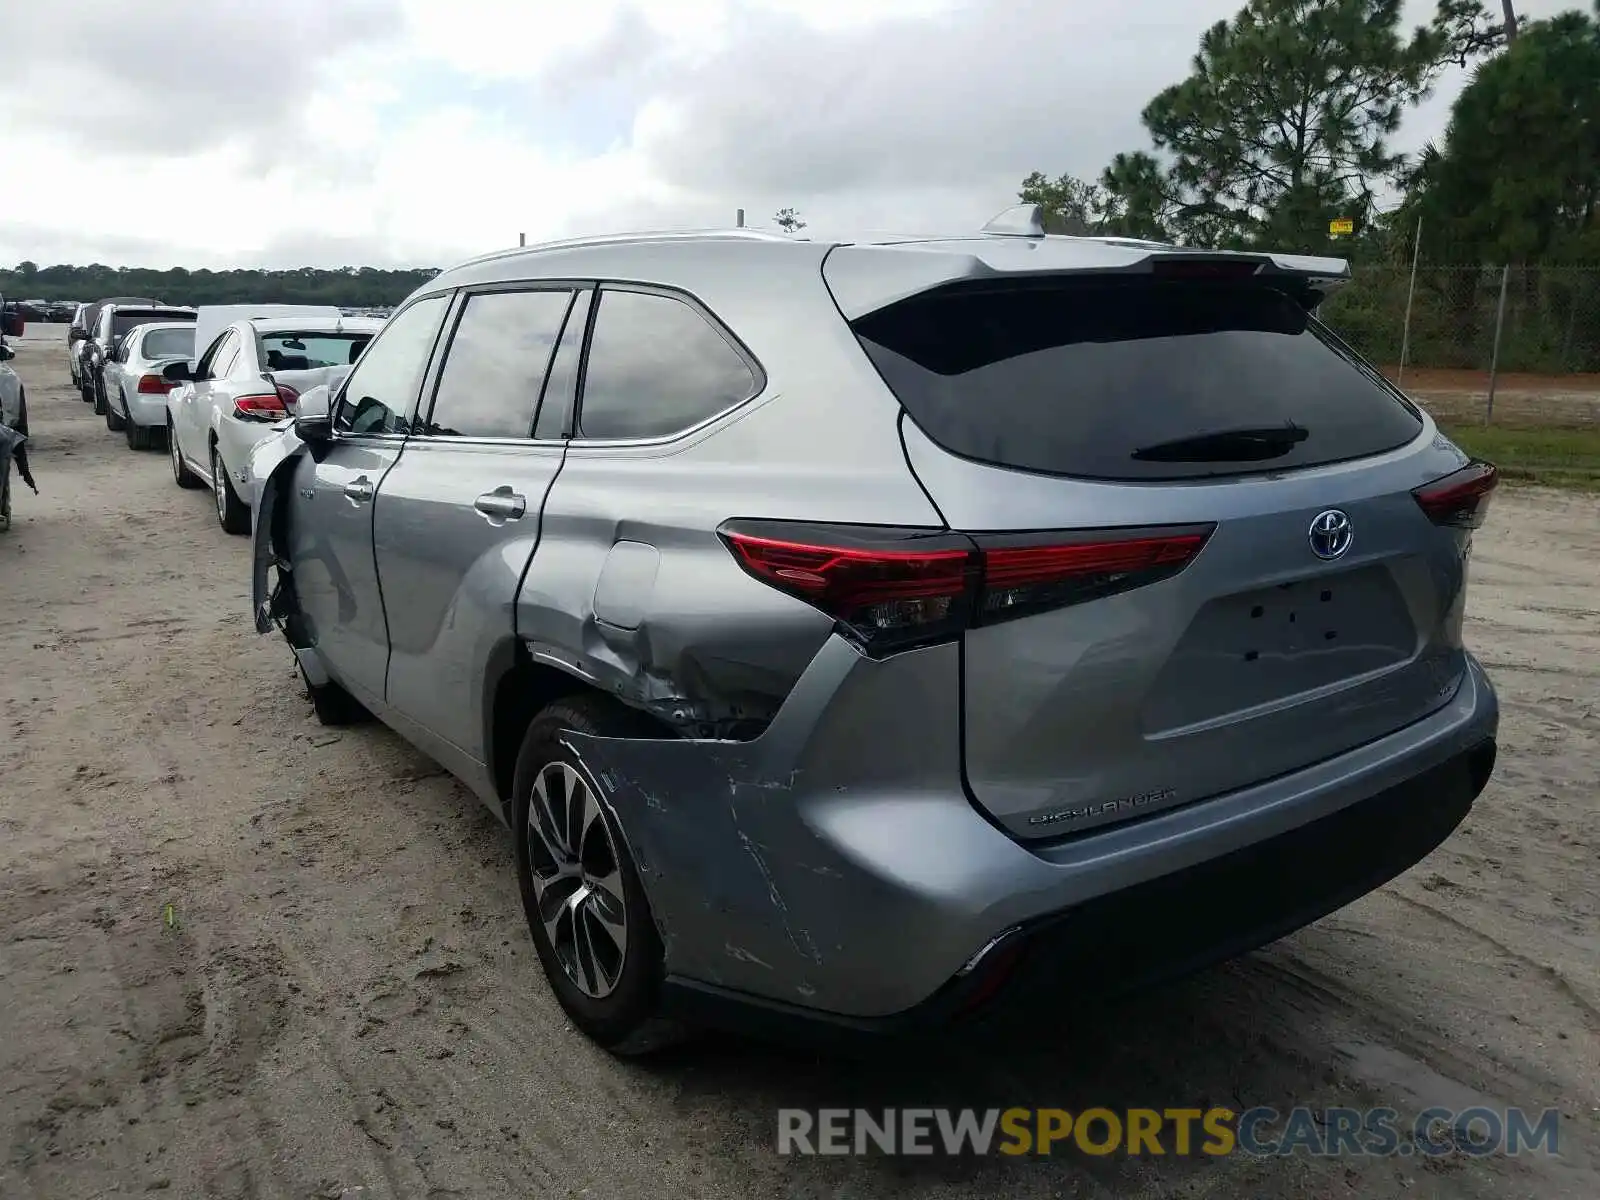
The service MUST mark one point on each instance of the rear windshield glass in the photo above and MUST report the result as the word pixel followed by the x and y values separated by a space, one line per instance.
pixel 168 343
pixel 307 351
pixel 123 320
pixel 1132 379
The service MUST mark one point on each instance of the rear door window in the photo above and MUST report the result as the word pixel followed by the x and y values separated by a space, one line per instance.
pixel 495 368
pixel 657 367
pixel 1133 379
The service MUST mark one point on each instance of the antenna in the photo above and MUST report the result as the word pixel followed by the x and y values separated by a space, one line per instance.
pixel 1022 220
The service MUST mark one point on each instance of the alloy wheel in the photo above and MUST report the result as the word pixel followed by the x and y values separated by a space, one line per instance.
pixel 218 485
pixel 577 879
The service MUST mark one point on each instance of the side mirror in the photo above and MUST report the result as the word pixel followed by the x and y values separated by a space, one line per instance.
pixel 313 418
pixel 7 353
pixel 177 372
pixel 75 335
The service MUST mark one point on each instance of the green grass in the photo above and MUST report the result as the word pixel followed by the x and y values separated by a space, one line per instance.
pixel 1563 458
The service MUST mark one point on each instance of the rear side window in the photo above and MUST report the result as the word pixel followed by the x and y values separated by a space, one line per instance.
pixel 656 367
pixel 1132 379
pixel 497 362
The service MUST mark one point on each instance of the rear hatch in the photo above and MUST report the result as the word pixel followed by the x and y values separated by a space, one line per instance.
pixel 1207 562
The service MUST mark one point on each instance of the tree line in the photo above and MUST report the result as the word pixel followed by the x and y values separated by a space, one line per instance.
pixel 1285 123
pixel 349 287
pixel 1284 126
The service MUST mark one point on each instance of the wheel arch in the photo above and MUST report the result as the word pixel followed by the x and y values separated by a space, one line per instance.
pixel 516 688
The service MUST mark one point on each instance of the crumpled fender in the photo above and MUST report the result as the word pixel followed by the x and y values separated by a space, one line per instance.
pixel 272 467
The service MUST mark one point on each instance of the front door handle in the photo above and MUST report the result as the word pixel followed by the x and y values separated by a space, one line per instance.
pixel 502 504
pixel 358 491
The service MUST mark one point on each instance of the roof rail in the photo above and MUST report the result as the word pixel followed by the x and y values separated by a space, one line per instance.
pixel 659 235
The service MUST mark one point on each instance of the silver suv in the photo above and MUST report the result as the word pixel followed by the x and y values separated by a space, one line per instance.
pixel 869 635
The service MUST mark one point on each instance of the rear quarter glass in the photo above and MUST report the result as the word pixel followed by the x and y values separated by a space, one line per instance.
pixel 1077 377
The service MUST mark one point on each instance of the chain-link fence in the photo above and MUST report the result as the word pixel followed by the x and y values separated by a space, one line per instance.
pixel 1548 352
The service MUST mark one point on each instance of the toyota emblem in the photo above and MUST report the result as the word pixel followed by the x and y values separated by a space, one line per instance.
pixel 1331 534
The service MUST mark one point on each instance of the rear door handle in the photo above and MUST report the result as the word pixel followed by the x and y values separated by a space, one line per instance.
pixel 358 491
pixel 502 504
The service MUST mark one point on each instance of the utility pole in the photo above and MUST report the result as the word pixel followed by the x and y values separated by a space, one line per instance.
pixel 739 219
pixel 1411 295
pixel 522 239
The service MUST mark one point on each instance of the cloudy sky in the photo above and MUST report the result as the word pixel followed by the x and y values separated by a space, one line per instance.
pixel 417 132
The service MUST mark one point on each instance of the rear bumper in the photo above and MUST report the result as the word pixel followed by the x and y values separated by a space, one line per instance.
pixel 235 441
pixel 1153 932
pixel 833 871
pixel 146 411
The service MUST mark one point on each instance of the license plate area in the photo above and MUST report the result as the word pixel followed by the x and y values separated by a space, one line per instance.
pixel 1267 644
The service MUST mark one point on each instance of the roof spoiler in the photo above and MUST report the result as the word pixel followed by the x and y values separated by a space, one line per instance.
pixel 867 278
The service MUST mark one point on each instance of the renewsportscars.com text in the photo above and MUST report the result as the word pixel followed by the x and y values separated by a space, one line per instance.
pixel 1179 1132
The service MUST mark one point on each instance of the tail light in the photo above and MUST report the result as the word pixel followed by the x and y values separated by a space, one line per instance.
pixel 1461 499
pixel 155 385
pixel 890 589
pixel 1033 573
pixel 887 588
pixel 267 406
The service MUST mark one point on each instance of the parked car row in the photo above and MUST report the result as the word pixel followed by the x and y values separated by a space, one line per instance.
pixel 867 636
pixel 53 311
pixel 209 382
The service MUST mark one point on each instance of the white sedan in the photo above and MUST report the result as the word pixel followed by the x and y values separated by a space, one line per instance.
pixel 248 379
pixel 132 383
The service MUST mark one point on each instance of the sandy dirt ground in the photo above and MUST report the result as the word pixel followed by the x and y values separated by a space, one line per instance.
pixel 345 1000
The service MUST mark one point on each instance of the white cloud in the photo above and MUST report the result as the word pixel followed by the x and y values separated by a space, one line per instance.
pixel 331 132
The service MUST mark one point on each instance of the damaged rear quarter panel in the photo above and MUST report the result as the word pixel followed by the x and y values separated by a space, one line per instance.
pixel 832 862
pixel 687 635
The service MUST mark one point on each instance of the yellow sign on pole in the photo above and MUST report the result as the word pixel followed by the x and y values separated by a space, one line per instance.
pixel 1341 225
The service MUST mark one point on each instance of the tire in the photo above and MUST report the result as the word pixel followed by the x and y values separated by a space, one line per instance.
pixel 139 436
pixel 115 421
pixel 333 706
pixel 617 1002
pixel 232 513
pixel 22 412
pixel 181 475
pixel 85 390
pixel 100 405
